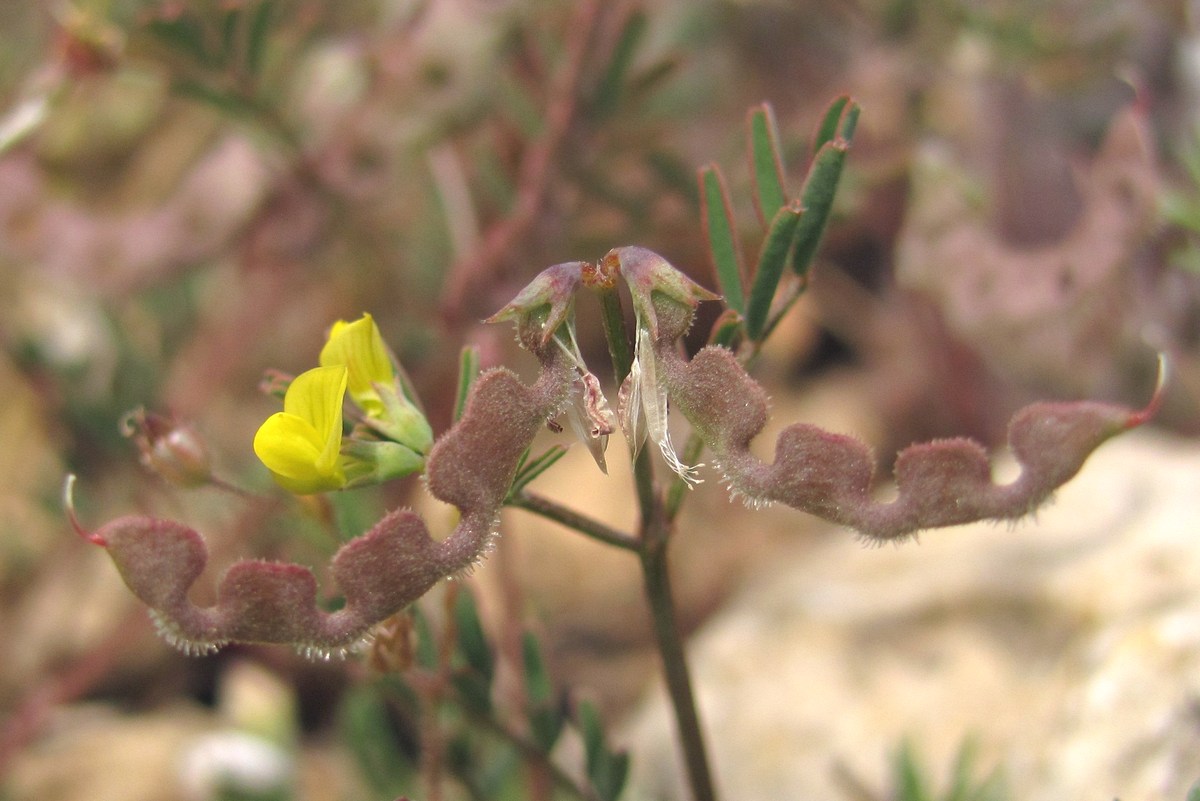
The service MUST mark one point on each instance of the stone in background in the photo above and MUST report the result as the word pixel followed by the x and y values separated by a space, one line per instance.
pixel 1067 646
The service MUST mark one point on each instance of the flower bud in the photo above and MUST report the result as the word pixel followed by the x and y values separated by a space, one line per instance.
pixel 169 448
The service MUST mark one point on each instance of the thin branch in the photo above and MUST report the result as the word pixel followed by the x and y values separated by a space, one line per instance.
pixel 535 171
pixel 675 666
pixel 570 518
pixel 651 545
pixel 531 752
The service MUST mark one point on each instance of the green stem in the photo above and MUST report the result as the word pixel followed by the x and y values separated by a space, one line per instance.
pixel 651 548
pixel 675 668
pixel 555 511
pixel 613 319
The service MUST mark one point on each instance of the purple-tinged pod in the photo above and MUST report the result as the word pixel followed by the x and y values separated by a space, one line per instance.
pixel 832 476
pixel 379 573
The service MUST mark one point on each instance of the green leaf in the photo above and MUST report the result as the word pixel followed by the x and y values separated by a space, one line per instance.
pixel 474 693
pixel 184 35
pixel 611 781
pixel 817 198
pixel 468 371
pixel 1194 792
pixel 230 23
pixel 963 784
pixel 767 173
pixel 960 773
pixel 426 650
pixel 607 770
pixel 545 726
pixel 474 679
pixel 497 773
pixel 593 733
pixel 228 103
pixel 256 41
pixel 723 242
pixel 781 237
pixel 830 123
pixel 725 331
pixel 527 470
pixel 612 82
pixel 542 463
pixel 848 123
pixel 370 736
pixel 648 79
pixel 910 785
pixel 471 640
pixel 537 681
pixel 354 513
pixel 546 718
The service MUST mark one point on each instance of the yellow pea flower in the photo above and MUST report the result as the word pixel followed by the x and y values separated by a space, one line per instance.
pixel 301 445
pixel 376 387
pixel 359 347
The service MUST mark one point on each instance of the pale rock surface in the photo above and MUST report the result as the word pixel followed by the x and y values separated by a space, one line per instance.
pixel 1068 646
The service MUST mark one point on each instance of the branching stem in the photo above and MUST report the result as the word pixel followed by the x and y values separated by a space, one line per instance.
pixel 530 752
pixel 553 510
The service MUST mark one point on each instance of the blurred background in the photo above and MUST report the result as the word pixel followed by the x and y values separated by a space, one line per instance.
pixel 192 192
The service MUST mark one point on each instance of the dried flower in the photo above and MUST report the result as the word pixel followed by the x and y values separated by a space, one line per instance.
pixel 543 305
pixel 664 301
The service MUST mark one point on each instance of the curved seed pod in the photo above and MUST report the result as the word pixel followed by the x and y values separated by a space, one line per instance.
pixel 939 483
pixel 471 466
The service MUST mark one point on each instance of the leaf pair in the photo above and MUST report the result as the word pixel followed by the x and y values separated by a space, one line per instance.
pixel 793 225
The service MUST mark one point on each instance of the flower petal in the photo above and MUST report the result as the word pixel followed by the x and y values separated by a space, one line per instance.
pixel 301 445
pixel 291 448
pixel 316 396
pixel 653 396
pixel 359 347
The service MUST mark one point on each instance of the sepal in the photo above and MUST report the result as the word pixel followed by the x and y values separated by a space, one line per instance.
pixel 663 298
pixel 400 420
pixel 543 305
pixel 376 461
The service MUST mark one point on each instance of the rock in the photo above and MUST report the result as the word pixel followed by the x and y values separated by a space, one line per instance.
pixel 1067 646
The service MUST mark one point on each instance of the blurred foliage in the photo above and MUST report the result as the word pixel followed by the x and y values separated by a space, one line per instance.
pixel 911 782
pixel 1181 207
pixel 435 707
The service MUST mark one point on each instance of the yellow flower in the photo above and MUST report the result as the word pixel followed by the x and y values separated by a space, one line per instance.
pixel 375 384
pixel 301 445
pixel 359 347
